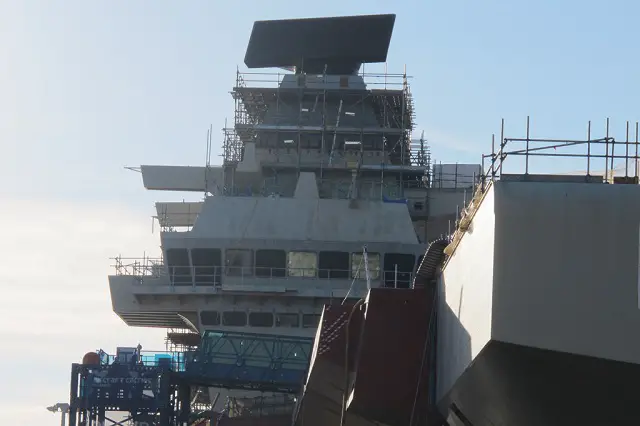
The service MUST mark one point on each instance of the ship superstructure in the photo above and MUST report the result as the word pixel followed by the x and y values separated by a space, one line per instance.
pixel 322 193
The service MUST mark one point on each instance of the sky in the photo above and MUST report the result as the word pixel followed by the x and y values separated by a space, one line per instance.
pixel 88 87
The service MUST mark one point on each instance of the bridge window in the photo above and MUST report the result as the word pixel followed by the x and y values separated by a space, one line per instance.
pixel 310 320
pixel 179 267
pixel 261 319
pixel 234 318
pixel 357 266
pixel 302 264
pixel 398 270
pixel 239 262
pixel 210 318
pixel 333 264
pixel 271 263
pixel 207 265
pixel 287 320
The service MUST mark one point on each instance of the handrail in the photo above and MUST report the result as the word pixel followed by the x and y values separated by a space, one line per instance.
pixel 138 266
pixel 604 149
pixel 174 360
pixel 213 275
pixel 256 79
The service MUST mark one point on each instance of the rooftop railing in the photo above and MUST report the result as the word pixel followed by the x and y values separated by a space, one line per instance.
pixel 603 155
pixel 387 81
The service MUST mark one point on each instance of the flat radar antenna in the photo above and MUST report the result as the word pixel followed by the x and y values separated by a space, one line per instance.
pixel 334 45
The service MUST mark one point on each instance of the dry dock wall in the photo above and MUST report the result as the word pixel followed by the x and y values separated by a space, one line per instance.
pixel 550 265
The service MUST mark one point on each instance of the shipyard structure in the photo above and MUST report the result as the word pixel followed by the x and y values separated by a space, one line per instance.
pixel 323 194
pixel 332 275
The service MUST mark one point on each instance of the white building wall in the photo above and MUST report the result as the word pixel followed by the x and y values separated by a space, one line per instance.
pixel 464 304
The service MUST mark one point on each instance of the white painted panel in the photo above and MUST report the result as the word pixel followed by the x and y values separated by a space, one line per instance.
pixel 566 273
pixel 178 214
pixel 304 219
pixel 464 304
pixel 181 178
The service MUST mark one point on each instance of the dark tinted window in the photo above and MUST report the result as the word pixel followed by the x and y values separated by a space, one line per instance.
pixel 310 320
pixel 287 320
pixel 261 319
pixel 333 264
pixel 210 318
pixel 271 263
pixel 234 318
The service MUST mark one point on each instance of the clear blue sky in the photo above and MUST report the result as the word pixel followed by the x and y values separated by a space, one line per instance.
pixel 87 87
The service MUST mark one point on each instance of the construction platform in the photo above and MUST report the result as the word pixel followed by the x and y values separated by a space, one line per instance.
pixel 156 387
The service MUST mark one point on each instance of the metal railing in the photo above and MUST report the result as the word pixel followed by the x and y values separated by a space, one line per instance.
pixel 455 180
pixel 139 266
pixel 605 153
pixel 388 81
pixel 176 361
pixel 214 275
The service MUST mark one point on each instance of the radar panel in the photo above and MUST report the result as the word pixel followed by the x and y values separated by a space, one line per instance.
pixel 342 44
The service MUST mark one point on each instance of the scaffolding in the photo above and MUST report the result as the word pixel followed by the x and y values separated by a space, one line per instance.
pixel 604 158
pixel 325 114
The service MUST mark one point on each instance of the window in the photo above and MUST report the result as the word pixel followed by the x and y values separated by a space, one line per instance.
pixel 271 263
pixel 357 266
pixel 179 267
pixel 310 320
pixel 287 320
pixel 207 266
pixel 261 319
pixel 302 264
pixel 239 262
pixel 398 270
pixel 210 318
pixel 234 318
pixel 333 264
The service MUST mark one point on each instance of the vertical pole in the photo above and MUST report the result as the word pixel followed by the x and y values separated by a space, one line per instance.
pixel 455 177
pixel 395 276
pixel 403 136
pixel 626 154
pixel 493 155
pixel 526 155
pixel 589 149
pixel 502 145
pixel 636 156
pixel 606 154
pixel 613 155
